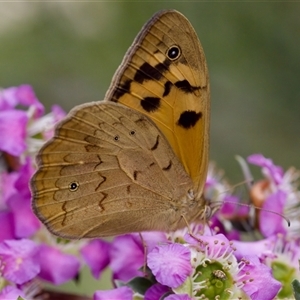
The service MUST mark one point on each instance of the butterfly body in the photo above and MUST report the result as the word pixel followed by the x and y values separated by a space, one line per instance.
pixel 136 161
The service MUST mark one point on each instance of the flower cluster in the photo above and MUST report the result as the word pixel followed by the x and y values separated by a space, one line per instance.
pixel 242 253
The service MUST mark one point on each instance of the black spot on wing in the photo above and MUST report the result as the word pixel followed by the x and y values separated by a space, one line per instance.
pixel 167 90
pixel 168 167
pixel 121 90
pixel 148 72
pixel 128 189
pixel 135 174
pixel 150 104
pixel 164 66
pixel 186 87
pixel 156 143
pixel 189 118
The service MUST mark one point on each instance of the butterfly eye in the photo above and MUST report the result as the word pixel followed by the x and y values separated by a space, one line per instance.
pixel 116 138
pixel 132 132
pixel 173 52
pixel 73 186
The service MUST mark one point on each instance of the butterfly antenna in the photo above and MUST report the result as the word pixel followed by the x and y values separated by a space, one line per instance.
pixel 260 208
pixel 249 182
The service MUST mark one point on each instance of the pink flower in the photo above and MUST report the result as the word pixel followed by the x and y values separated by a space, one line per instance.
pixel 25 223
pixel 270 170
pixel 11 293
pixel 56 266
pixel 96 256
pixel 127 253
pixel 19 260
pixel 22 95
pixel 170 264
pixel 122 293
pixel 13 125
pixel 156 291
pixel 178 297
pixel 259 283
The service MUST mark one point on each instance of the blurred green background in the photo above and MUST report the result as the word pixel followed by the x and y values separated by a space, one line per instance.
pixel 69 51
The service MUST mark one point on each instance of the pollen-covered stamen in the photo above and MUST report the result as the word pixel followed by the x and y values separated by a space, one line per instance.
pixel 215 269
pixel 283 261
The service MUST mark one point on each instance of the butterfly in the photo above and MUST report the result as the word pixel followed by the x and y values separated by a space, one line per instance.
pixel 136 161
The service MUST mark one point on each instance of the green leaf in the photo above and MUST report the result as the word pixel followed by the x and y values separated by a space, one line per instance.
pixel 140 284
pixel 296 288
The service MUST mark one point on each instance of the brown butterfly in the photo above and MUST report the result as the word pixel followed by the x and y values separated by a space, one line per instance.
pixel 136 161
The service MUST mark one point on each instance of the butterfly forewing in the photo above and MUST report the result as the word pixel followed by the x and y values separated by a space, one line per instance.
pixel 164 75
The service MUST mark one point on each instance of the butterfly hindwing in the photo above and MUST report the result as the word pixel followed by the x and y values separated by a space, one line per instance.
pixel 107 170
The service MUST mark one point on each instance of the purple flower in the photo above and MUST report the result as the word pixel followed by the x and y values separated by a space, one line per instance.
pixel 243 249
pixel 19 260
pixel 44 126
pixel 21 95
pixel 13 122
pixel 56 266
pixel 277 253
pixel 96 256
pixel 218 226
pixel 127 257
pixel 13 125
pixel 156 291
pixel 7 231
pixel 170 264
pixel 178 297
pixel 273 223
pixel 270 170
pixel 26 97
pixel 256 277
pixel 218 273
pixel 277 193
pixel 122 293
pixel 11 293
pixel 127 253
pixel 25 223
pixel 231 208
pixel 19 128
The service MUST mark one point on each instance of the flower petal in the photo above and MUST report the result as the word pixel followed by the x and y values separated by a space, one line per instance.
pixel 24 220
pixel 272 223
pixel 170 264
pixel 275 172
pixel 13 125
pixel 19 259
pixel 156 291
pixel 127 257
pixel 56 266
pixel 25 95
pixel 7 226
pixel 11 293
pixel 178 297
pixel 96 256
pixel 122 293
pixel 259 282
